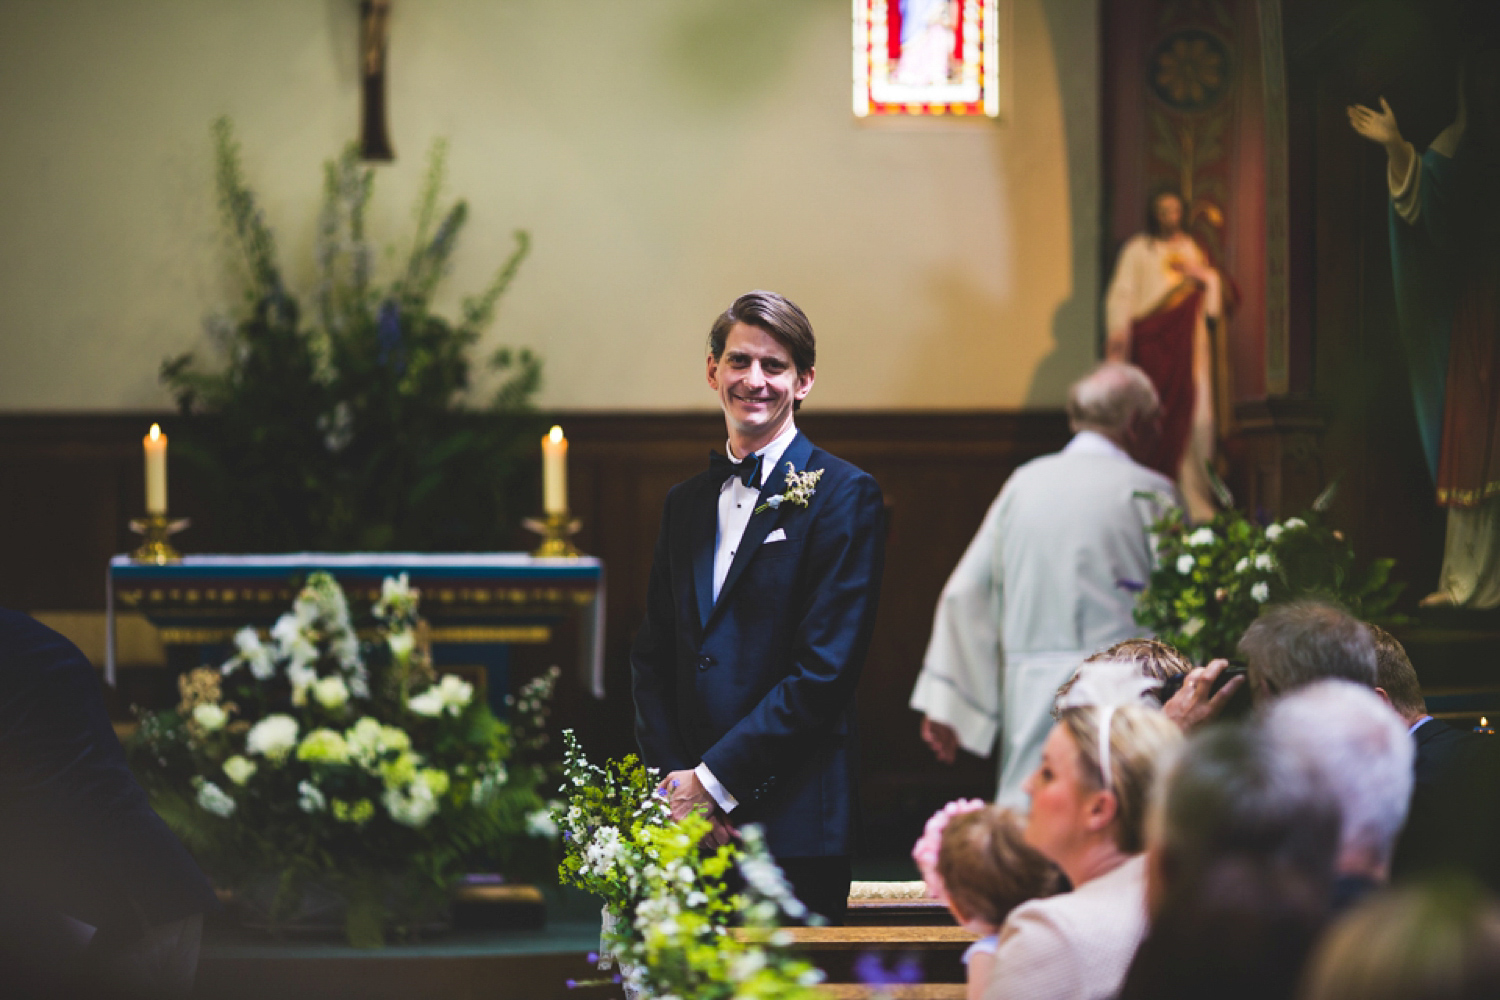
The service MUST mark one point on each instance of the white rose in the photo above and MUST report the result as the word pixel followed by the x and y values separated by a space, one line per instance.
pixel 401 643
pixel 1203 536
pixel 1273 532
pixel 210 716
pixel 331 692
pixel 457 692
pixel 214 799
pixel 272 737
pixel 1261 592
pixel 1264 561
pixel 1185 564
pixel 428 703
pixel 240 769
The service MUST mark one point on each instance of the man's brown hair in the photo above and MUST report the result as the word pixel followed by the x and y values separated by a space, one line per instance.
pixel 987 866
pixel 1395 675
pixel 775 314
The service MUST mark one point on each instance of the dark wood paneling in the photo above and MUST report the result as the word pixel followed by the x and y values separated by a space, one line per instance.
pixel 72 482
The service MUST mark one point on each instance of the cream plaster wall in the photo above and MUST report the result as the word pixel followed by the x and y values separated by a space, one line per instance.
pixel 665 154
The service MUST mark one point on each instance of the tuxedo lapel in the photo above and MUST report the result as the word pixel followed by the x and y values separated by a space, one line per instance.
pixel 704 528
pixel 773 483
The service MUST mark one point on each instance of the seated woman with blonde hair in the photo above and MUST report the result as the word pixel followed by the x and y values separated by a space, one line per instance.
pixel 1088 806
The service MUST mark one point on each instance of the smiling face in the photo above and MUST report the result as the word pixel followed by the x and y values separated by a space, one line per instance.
pixel 757 384
pixel 1061 804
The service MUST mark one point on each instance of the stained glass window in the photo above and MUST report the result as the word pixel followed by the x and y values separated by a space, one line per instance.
pixel 926 57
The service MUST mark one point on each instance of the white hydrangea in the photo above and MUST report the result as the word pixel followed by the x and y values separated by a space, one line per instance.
pixel 412 805
pixel 214 799
pixel 1261 592
pixel 310 798
pixel 1185 564
pixel 1264 561
pixel 240 769
pixel 272 737
pixel 210 717
pixel 1201 537
pixel 331 692
pixel 603 852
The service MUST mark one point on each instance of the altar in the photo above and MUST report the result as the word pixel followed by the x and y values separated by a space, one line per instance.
pixel 477 604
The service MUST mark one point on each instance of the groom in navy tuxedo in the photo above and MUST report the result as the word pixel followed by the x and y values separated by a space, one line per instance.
pixel 763 590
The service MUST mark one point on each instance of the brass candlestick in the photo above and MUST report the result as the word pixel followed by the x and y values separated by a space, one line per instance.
pixel 554 531
pixel 157 528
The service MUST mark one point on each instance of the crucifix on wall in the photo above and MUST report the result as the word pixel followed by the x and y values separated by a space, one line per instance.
pixel 374 34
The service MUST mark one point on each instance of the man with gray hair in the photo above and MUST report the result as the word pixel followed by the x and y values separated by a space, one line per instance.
pixel 1302 642
pixel 1360 748
pixel 1046 581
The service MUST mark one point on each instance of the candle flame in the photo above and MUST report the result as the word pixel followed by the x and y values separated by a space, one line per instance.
pixel 1483 721
pixel 156 432
pixel 555 435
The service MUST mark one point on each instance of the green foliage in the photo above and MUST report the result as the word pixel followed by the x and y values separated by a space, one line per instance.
pixel 354 431
pixel 301 766
pixel 1211 582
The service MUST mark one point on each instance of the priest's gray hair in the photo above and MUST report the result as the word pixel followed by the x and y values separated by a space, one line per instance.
pixel 1111 397
pixel 1361 750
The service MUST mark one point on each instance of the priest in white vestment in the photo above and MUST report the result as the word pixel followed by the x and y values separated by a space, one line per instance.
pixel 1050 578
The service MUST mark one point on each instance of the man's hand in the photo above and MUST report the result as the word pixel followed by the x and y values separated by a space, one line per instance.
pixel 686 795
pixel 1195 702
pixel 941 738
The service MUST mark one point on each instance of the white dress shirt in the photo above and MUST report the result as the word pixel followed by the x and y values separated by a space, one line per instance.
pixel 736 503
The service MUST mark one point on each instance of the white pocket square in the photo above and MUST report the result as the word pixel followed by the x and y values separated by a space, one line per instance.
pixel 779 535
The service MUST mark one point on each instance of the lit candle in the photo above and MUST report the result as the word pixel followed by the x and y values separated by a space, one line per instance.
pixel 555 472
pixel 156 471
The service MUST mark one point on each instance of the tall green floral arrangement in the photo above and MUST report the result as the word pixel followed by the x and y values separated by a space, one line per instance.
pixel 313 763
pixel 668 911
pixel 343 421
pixel 1211 581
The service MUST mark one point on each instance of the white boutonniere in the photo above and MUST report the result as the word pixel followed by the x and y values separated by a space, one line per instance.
pixel 800 486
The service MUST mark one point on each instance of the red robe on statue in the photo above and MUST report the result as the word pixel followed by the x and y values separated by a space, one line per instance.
pixel 1161 344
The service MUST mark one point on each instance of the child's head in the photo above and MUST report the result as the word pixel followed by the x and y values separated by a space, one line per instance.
pixel 988 869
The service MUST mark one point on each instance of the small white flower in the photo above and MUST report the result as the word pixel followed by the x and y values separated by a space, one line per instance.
pixel 1242 565
pixel 1261 592
pixel 1264 561
pixel 240 769
pixel 310 798
pixel 1192 627
pixel 428 703
pixel 450 694
pixel 214 799
pixel 210 716
pixel 1273 532
pixel 1203 536
pixel 272 737
pixel 401 643
pixel 540 824
pixel 1292 523
pixel 1185 564
pixel 411 806
pixel 331 692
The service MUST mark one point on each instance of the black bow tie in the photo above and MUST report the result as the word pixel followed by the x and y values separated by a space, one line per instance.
pixel 722 468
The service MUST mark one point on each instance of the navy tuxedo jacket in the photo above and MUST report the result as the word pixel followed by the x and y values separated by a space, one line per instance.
pixel 77 834
pixel 760 685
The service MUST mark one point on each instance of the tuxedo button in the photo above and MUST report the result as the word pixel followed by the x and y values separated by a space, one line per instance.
pixel 705 661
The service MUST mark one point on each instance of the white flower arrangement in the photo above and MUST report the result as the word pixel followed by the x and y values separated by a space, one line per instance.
pixel 314 745
pixel 1185 564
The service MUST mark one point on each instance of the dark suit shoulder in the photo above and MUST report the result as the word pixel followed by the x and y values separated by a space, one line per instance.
pixel 837 471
